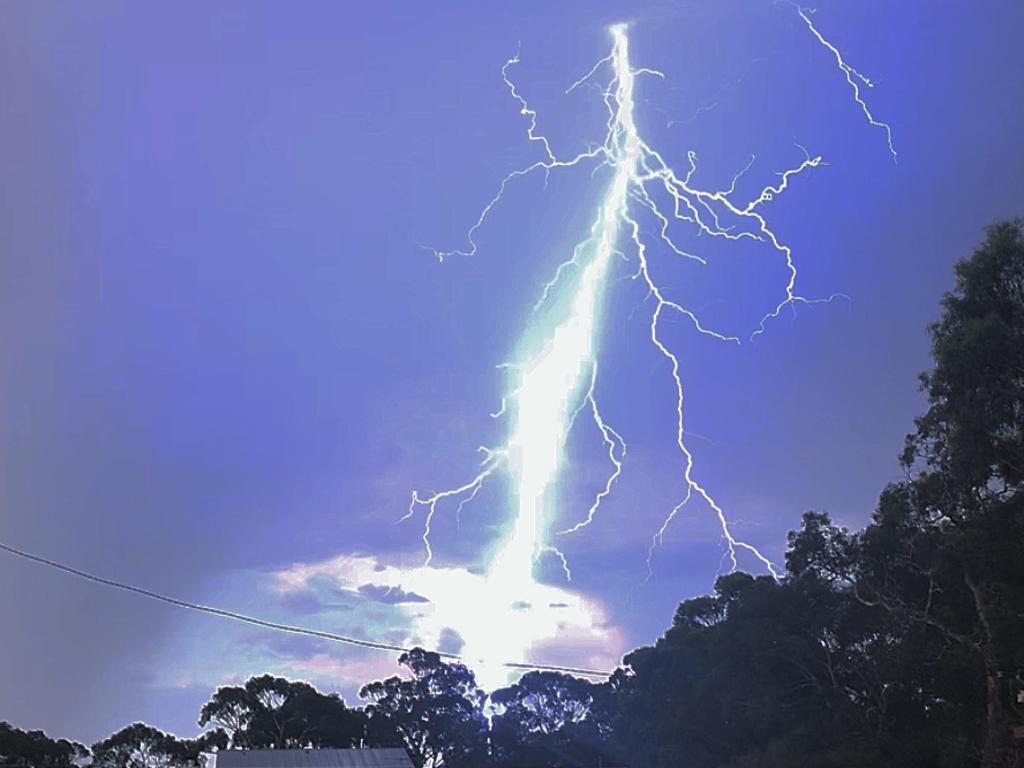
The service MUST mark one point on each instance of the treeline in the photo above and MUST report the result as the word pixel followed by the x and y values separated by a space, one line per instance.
pixel 897 646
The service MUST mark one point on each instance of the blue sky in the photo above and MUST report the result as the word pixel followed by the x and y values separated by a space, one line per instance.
pixel 227 355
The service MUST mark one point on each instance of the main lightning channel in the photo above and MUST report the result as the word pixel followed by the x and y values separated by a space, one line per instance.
pixel 555 380
pixel 549 391
pixel 551 381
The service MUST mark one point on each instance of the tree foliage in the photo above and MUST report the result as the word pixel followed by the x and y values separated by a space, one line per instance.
pixel 971 438
pixel 35 748
pixel 142 746
pixel 437 712
pixel 550 720
pixel 274 713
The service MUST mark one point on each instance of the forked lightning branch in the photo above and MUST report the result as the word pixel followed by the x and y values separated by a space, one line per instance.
pixel 554 383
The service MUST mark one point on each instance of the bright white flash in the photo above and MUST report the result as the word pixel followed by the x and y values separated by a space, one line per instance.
pixel 551 381
pixel 555 380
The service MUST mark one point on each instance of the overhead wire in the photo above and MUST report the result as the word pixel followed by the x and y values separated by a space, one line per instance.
pixel 275 625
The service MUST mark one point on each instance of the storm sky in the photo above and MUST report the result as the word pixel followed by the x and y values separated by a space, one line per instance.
pixel 227 357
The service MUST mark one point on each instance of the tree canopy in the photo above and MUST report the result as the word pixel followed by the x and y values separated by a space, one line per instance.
pixel 143 746
pixel 35 748
pixel 550 719
pixel 273 713
pixel 437 712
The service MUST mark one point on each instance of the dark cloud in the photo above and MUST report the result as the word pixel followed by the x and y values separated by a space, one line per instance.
pixel 389 595
pixel 450 641
pixel 307 602
pixel 295 646
pixel 397 637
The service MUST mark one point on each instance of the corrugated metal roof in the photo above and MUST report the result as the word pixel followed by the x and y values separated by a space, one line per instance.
pixel 313 758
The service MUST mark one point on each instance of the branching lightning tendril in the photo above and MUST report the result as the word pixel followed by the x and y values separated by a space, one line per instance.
pixel 556 379
pixel 854 78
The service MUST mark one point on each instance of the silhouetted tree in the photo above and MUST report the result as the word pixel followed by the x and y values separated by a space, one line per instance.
pixel 36 749
pixel 550 720
pixel 438 712
pixel 969 499
pixel 764 673
pixel 143 746
pixel 972 435
pixel 944 553
pixel 273 713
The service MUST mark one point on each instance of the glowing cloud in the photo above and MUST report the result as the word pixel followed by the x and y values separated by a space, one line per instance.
pixel 486 621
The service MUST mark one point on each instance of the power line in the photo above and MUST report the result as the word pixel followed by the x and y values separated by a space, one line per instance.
pixel 274 625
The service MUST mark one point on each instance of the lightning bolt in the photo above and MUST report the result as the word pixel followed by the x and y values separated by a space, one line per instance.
pixel 556 376
pixel 557 381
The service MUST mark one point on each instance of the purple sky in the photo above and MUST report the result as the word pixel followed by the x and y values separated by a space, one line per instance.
pixel 226 358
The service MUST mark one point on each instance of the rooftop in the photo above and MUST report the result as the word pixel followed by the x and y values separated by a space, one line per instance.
pixel 312 758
